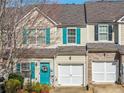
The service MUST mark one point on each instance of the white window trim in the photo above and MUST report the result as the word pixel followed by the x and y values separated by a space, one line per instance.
pixel 25 70
pixel 106 33
pixel 75 36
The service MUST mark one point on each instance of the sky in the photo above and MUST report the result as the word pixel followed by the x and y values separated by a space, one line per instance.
pixel 71 1
pixel 28 2
pixel 58 1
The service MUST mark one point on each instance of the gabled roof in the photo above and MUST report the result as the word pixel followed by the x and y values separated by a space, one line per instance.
pixel 62 14
pixel 79 14
pixel 104 11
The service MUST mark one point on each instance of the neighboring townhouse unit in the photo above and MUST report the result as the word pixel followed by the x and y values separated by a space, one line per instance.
pixel 76 45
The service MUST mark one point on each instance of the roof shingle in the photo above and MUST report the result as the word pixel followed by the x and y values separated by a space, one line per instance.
pixel 102 47
pixel 104 11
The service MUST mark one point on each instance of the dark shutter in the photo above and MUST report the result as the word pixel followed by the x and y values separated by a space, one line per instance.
pixel 64 35
pixel 18 67
pixel 32 70
pixel 96 33
pixel 78 36
pixel 48 36
pixel 110 32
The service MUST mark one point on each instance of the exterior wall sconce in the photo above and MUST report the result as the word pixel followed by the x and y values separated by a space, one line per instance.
pixel 70 58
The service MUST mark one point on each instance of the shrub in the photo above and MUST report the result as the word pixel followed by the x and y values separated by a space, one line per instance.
pixel 46 88
pixel 36 87
pixel 27 87
pixel 12 85
pixel 26 92
pixel 17 76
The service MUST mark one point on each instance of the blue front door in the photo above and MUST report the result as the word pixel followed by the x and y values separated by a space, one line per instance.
pixel 44 73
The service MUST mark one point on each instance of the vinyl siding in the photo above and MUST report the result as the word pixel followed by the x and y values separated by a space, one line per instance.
pixel 91 32
pixel 121 34
pixel 83 37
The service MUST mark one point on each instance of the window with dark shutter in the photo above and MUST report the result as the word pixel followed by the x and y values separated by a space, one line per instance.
pixel 103 32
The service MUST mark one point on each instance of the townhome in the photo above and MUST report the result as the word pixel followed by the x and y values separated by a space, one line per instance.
pixel 53 50
pixel 76 45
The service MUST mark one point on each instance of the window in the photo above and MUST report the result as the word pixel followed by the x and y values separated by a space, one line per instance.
pixel 25 66
pixel 41 37
pixel 35 37
pixel 71 35
pixel 103 32
pixel 25 70
pixel 32 37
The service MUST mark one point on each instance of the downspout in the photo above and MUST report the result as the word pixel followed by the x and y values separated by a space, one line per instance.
pixel 53 77
pixel 85 13
pixel 86 69
pixel 120 69
pixel 119 65
pixel 86 78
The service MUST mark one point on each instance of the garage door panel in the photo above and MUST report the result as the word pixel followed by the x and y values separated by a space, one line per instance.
pixel 111 77
pixel 77 70
pixel 98 67
pixel 64 80
pixel 110 67
pixel 98 76
pixel 77 80
pixel 64 70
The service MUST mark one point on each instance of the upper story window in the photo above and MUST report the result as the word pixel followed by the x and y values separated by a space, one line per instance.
pixel 36 36
pixel 103 32
pixel 71 35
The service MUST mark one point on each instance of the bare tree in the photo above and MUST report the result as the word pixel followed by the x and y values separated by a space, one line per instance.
pixel 8 19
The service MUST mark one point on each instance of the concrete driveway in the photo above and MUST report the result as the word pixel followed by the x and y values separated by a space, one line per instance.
pixel 68 90
pixel 108 89
pixel 93 89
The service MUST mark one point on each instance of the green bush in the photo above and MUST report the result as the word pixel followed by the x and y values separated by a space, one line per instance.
pixel 17 76
pixel 12 85
pixel 36 87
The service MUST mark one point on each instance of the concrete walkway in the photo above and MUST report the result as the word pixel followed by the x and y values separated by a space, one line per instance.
pixel 68 90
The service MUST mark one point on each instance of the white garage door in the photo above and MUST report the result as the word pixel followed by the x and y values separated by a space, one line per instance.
pixel 103 72
pixel 70 75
